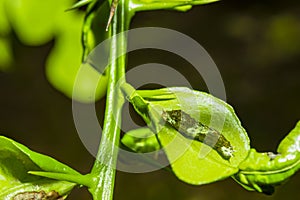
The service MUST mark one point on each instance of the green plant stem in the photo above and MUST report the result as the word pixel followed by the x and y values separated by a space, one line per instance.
pixel 104 168
pixel 85 180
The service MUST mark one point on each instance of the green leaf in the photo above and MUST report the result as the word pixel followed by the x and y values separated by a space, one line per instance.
pixel 15 162
pixel 192 161
pixel 141 140
pixel 262 171
pixel 64 69
pixel 5 48
pixel 5 55
pixel 179 5
pixel 94 27
pixel 80 4
pixel 4 23
pixel 35 21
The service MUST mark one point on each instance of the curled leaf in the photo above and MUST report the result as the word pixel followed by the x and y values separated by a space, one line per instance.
pixel 262 171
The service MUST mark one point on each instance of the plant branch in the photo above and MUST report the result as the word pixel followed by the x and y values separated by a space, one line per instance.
pixel 104 168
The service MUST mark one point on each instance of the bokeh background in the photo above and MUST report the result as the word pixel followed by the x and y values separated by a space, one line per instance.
pixel 256 46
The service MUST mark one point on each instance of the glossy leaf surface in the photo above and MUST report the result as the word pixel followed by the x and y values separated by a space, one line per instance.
pixel 141 140
pixel 93 31
pixel 179 5
pixel 261 171
pixel 80 4
pixel 193 161
pixel 15 162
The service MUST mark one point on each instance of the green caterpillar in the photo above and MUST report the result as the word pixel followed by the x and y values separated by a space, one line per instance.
pixel 195 130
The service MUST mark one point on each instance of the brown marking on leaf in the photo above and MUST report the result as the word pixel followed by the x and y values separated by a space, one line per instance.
pixel 42 195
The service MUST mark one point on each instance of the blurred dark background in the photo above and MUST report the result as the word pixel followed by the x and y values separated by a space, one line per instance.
pixel 256 46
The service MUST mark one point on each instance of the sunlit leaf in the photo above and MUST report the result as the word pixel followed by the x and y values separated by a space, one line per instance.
pixel 35 21
pixel 64 69
pixel 192 161
pixel 262 171
pixel 180 5
pixel 80 4
pixel 15 162
pixel 4 23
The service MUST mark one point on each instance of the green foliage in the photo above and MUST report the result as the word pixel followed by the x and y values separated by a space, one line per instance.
pixel 192 161
pixel 141 140
pixel 6 54
pixel 94 26
pixel 179 5
pixel 37 22
pixel 262 171
pixel 64 69
pixel 16 161
pixel 260 34
pixel 196 163
pixel 5 49
pixel 80 4
pixel 4 23
pixel 41 15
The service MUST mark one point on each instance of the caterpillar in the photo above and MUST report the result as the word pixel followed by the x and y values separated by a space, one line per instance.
pixel 195 130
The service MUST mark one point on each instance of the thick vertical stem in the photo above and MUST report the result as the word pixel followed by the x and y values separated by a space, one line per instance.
pixel 105 165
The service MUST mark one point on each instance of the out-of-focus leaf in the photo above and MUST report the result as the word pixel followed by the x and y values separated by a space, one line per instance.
pixel 15 162
pixel 193 161
pixel 35 21
pixel 5 49
pixel 282 34
pixel 183 8
pixel 64 69
pixel 4 23
pixel 5 55
pixel 262 171
pixel 277 32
